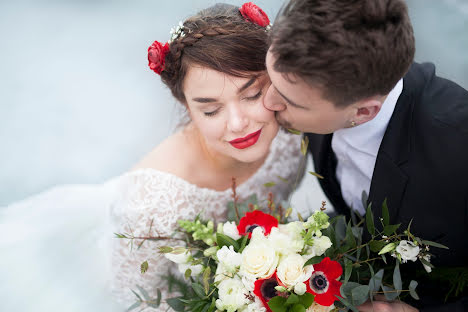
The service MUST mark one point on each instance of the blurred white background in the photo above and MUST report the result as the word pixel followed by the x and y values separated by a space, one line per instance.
pixel 78 103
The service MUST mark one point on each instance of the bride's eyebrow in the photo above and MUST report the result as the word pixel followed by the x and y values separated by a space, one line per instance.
pixel 211 100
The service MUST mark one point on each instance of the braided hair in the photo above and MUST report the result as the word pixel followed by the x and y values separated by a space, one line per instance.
pixel 218 38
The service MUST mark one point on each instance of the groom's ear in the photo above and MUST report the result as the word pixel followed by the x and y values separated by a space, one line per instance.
pixel 367 110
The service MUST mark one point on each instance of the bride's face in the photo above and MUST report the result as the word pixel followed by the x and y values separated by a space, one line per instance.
pixel 229 113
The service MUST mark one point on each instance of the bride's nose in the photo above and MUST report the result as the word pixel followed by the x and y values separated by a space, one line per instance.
pixel 237 120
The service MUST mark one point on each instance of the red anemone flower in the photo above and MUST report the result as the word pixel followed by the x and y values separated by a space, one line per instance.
pixel 256 218
pixel 265 290
pixel 253 13
pixel 323 284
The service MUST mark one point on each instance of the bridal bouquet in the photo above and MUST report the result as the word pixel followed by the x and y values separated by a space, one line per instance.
pixel 263 262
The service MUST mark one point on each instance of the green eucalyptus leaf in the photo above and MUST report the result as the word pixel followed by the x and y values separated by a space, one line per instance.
pixel 134 306
pixel 137 295
pixel 389 293
pixel 276 304
pixel 376 281
pixel 387 248
pixel 144 293
pixel 165 249
pixel 224 240
pixel 348 270
pixel 144 267
pixel 313 260
pixel 347 288
pixel 243 243
pixel 292 299
pixel 397 278
pixel 348 304
pixel 412 289
pixel 158 297
pixel 390 229
pixel 176 304
pixel 350 240
pixel 434 244
pixel 384 259
pixel 385 214
pixel 424 261
pixel 206 279
pixel 360 294
pixel 212 305
pixel 370 220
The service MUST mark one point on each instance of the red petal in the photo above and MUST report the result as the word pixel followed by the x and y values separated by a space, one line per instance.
pixel 332 269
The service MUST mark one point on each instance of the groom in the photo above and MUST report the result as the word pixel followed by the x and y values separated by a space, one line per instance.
pixel 378 123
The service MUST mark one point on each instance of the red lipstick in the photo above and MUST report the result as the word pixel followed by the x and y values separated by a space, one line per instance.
pixel 246 141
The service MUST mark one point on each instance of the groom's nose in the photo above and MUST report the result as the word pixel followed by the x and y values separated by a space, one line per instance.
pixel 273 101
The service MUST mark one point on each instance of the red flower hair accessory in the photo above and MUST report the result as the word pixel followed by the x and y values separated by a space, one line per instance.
pixel 254 219
pixel 254 14
pixel 156 56
pixel 323 284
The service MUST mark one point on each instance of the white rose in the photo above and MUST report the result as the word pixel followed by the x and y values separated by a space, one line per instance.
pixel 281 242
pixel 294 231
pixel 259 259
pixel 321 244
pixel 195 269
pixel 230 259
pixel 232 295
pixel 249 282
pixel 178 258
pixel 230 229
pixel 291 270
pixel 407 250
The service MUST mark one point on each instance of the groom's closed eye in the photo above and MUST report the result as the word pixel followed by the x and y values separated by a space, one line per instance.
pixel 289 101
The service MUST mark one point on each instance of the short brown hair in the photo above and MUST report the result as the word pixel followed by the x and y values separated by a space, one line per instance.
pixel 218 38
pixel 351 49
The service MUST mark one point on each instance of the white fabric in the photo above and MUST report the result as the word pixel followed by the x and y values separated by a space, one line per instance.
pixel 356 151
pixel 58 251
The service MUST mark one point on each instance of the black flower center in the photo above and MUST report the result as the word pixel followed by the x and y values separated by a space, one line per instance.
pixel 268 289
pixel 250 228
pixel 318 282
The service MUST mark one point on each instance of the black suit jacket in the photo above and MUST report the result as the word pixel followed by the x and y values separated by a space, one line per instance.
pixel 422 170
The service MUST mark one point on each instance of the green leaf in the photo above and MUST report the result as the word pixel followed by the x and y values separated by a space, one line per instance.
pixel 385 214
pixel 376 245
pixel 165 249
pixel 348 270
pixel 293 131
pixel 276 304
pixel 390 229
pixel 370 220
pixel 206 279
pixel 387 248
pixel 350 240
pixel 360 294
pixel 306 299
pixel 347 288
pixel 144 267
pixel 376 281
pixel 134 306
pixel 304 145
pixel 424 261
pixel 144 293
pixel 224 240
pixel 158 297
pixel 315 174
pixel 298 308
pixel 434 244
pixel 187 273
pixel 313 260
pixel 269 184
pixel 243 243
pixel 412 289
pixel 384 259
pixel 213 305
pixel 176 304
pixel 397 278
pixel 292 299
pixel 137 295
pixel 348 304
pixel 199 290
pixel 389 293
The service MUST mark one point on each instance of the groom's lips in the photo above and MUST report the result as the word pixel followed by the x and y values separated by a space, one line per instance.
pixel 246 141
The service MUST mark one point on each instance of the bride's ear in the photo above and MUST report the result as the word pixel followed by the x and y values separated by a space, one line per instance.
pixel 366 110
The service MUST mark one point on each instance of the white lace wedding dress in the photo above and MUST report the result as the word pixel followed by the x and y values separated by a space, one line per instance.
pixel 58 251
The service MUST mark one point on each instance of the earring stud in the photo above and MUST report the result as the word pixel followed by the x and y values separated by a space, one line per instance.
pixel 353 123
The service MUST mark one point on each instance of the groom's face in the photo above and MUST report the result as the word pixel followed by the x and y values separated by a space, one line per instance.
pixel 300 106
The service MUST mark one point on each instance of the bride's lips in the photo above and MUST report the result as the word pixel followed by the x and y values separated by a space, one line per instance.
pixel 246 141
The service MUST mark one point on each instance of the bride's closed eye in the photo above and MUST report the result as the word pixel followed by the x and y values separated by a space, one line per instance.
pixel 255 97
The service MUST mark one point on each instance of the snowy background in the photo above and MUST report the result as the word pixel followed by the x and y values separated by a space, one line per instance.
pixel 78 103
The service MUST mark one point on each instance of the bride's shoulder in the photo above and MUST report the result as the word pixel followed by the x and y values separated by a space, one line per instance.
pixel 175 155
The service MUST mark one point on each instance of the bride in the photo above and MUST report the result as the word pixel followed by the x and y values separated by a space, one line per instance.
pixel 214 66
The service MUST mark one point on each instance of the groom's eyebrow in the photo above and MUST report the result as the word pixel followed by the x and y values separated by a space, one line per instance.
pixel 211 100
pixel 289 101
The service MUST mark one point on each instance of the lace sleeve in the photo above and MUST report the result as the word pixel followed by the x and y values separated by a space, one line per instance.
pixel 149 205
